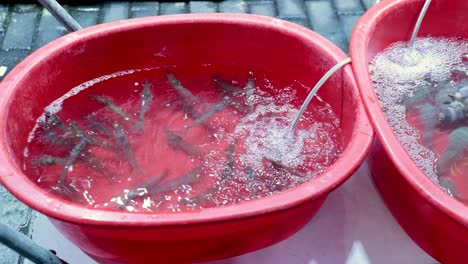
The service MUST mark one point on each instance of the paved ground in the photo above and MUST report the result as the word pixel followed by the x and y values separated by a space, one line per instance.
pixel 26 27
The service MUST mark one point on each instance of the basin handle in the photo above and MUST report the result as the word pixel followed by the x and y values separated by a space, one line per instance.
pixel 419 21
pixel 61 14
pixel 319 84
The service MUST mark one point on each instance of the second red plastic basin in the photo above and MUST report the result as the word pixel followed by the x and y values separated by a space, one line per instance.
pixel 434 220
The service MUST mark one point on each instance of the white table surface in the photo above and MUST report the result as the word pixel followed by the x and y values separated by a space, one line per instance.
pixel 353 226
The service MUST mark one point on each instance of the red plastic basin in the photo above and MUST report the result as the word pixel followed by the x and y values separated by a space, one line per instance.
pixel 214 233
pixel 434 220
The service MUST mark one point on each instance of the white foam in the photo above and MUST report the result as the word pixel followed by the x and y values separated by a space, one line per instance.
pixel 429 57
pixel 401 70
pixel 270 137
